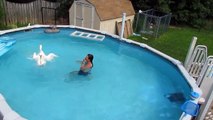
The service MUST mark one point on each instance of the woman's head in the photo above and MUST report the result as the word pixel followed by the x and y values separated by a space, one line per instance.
pixel 90 57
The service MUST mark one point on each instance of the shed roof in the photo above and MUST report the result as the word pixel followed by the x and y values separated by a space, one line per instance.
pixel 111 9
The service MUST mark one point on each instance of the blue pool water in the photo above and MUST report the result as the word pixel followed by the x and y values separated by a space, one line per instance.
pixel 126 83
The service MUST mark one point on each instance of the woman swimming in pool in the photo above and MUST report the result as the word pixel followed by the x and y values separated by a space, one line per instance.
pixel 86 65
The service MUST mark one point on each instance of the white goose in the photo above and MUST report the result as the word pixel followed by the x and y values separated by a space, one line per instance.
pixel 41 58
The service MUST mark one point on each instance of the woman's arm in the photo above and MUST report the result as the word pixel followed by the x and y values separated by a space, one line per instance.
pixel 79 61
pixel 86 66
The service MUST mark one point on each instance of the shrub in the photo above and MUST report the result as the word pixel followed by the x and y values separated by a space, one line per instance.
pixel 11 26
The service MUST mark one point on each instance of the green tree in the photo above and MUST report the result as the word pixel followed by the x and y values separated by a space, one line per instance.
pixel 209 7
pixel 141 4
pixel 161 5
pixel 198 14
pixel 190 12
pixel 193 13
pixel 178 11
pixel 63 9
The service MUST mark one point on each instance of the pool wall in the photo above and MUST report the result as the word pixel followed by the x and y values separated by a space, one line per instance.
pixel 6 112
pixel 177 63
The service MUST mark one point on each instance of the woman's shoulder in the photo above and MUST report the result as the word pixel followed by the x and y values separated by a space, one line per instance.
pixel 90 64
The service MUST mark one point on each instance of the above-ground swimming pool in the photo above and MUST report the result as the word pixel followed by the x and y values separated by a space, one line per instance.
pixel 127 82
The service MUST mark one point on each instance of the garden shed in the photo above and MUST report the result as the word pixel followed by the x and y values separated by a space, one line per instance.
pixel 100 14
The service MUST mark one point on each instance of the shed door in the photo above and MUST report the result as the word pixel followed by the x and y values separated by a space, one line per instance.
pixel 87 22
pixel 79 14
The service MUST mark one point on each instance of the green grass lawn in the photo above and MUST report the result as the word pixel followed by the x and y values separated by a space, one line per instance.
pixel 176 41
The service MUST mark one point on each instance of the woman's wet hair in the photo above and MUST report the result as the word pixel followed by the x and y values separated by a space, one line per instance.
pixel 90 57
